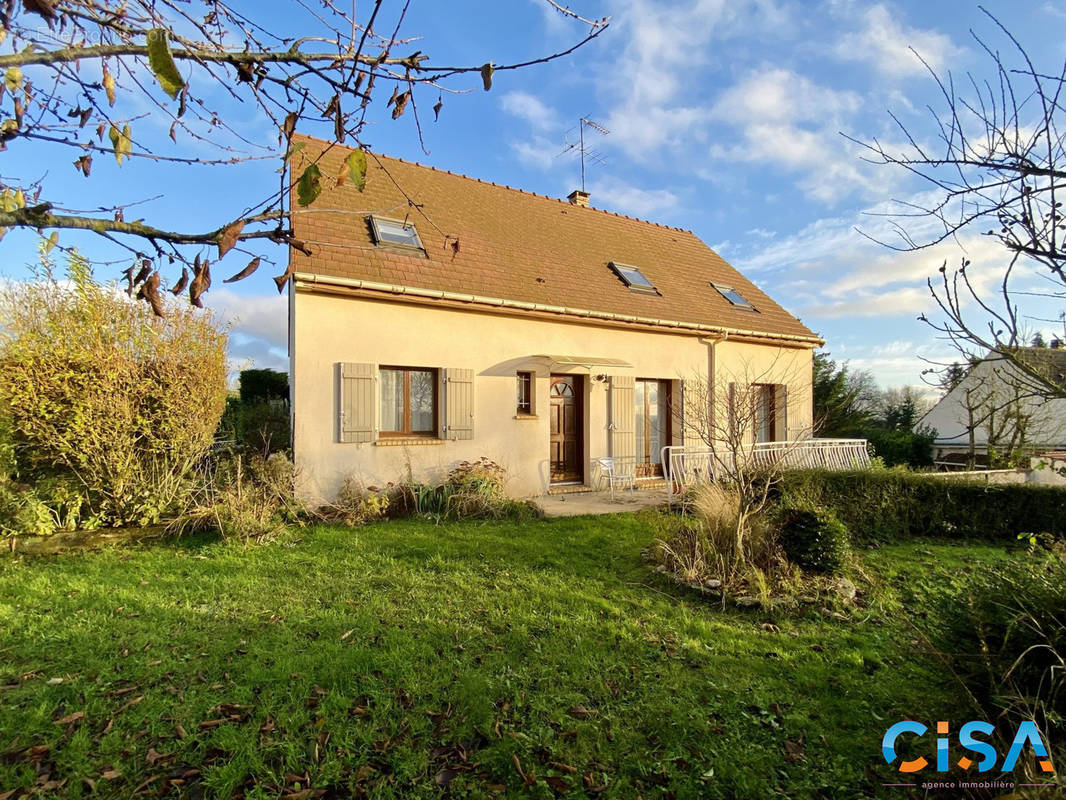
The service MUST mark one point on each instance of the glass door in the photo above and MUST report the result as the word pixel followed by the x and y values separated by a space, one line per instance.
pixel 651 405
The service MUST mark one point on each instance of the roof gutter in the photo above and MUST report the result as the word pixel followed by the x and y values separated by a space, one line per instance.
pixel 313 279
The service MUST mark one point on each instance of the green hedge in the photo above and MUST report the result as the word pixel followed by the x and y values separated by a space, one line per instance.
pixel 890 504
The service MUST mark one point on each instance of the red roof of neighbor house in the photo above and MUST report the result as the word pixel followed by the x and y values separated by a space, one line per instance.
pixel 516 245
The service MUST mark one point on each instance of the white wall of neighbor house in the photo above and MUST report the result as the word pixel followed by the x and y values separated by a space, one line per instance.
pixel 998 390
pixel 329 330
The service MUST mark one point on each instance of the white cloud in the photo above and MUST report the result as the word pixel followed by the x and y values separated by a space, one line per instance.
pixel 530 108
pixel 538 152
pixel 656 81
pixel 259 328
pixel 832 271
pixel 663 50
pixel 779 95
pixel 263 316
pixel 885 43
pixel 617 195
pixel 789 121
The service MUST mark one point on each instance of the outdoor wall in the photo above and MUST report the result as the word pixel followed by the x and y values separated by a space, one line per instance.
pixel 328 329
pixel 995 391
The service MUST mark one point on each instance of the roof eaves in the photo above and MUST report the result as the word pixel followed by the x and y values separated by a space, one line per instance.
pixel 312 279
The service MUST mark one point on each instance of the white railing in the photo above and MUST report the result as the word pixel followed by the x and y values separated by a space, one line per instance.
pixel 686 466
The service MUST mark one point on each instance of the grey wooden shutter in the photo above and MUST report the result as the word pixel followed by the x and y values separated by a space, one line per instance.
pixel 734 422
pixel 781 413
pixel 695 412
pixel 356 404
pixel 623 434
pixel 458 403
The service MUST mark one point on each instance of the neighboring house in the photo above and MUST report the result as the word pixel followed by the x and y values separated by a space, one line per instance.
pixel 996 410
pixel 439 318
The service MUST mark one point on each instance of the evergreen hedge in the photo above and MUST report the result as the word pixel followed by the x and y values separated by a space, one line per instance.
pixel 891 504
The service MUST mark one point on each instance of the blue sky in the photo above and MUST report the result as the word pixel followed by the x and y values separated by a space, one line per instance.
pixel 724 116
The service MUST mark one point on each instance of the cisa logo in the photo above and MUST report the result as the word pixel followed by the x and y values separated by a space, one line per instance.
pixel 980 751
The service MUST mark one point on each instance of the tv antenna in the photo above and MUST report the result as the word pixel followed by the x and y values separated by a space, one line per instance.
pixel 593 156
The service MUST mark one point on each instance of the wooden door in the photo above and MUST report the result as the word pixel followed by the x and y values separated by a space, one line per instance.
pixel 566 438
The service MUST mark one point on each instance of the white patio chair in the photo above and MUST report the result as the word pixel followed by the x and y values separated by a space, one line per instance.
pixel 617 474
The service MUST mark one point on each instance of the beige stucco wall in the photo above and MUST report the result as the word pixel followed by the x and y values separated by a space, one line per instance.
pixel 328 329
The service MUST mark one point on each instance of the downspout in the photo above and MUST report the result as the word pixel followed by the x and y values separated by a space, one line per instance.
pixel 712 376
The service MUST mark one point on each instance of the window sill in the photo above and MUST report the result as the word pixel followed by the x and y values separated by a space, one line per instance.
pixel 406 441
pixel 526 416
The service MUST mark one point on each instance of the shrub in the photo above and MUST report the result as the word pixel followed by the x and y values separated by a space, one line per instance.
pixel 892 504
pixel 902 447
pixel 248 499
pixel 473 490
pixel 713 543
pixel 814 539
pixel 1006 641
pixel 356 504
pixel 104 396
pixel 736 545
pixel 258 419
pixel 258 385
pixel 263 426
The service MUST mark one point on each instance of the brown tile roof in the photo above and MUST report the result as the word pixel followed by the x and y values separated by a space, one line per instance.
pixel 516 245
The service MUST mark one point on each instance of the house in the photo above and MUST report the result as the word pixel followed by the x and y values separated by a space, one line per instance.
pixel 437 318
pixel 996 410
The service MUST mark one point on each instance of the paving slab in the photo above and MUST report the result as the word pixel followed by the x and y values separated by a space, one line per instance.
pixel 580 503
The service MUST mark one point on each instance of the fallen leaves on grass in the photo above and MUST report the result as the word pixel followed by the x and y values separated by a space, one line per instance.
pixel 580 712
pixel 557 784
pixel 130 704
pixel 794 751
pixel 70 719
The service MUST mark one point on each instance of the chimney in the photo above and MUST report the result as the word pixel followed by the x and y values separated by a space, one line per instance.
pixel 578 197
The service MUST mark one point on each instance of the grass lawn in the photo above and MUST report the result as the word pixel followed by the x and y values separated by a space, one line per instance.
pixel 402 659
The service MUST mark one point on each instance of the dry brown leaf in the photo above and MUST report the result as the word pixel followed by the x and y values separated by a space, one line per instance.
pixel 557 784
pixel 229 237
pixel 253 265
pixel 69 718
pixel 444 777
pixel 130 704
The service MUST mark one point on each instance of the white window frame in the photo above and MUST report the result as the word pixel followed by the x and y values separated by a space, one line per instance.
pixel 725 291
pixel 625 271
pixel 377 223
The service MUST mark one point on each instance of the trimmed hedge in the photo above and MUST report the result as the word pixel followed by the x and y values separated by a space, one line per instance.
pixel 891 504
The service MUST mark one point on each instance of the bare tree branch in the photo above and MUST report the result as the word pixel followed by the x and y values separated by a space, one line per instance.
pixel 71 67
pixel 996 160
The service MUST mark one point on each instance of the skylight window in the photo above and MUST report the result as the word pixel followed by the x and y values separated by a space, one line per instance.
pixel 633 278
pixel 390 231
pixel 734 297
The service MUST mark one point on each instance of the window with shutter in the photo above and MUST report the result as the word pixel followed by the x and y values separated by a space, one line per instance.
pixel 458 403
pixel 408 402
pixel 623 437
pixel 355 402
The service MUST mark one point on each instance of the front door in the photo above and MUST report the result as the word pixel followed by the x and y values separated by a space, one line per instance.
pixel 566 439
